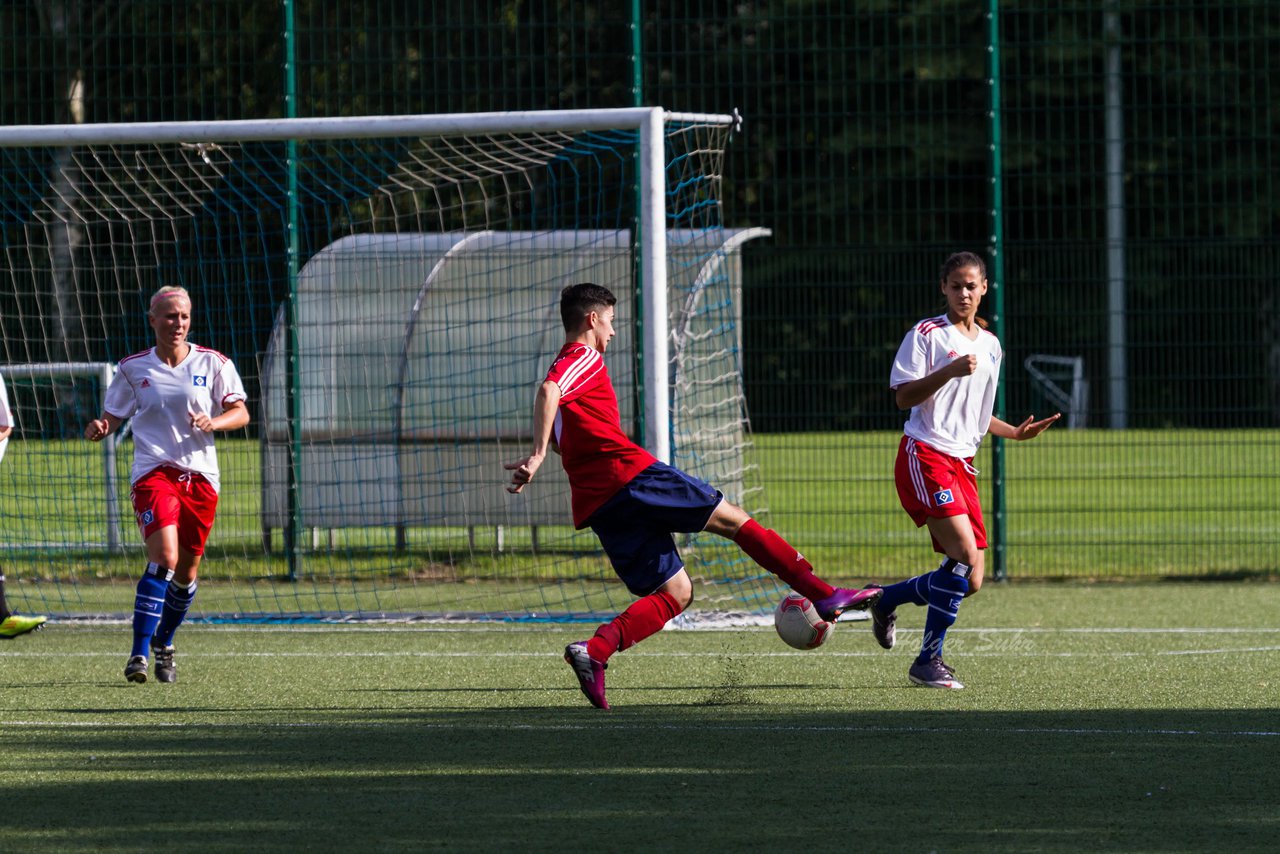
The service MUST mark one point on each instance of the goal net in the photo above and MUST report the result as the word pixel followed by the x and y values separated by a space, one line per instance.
pixel 388 289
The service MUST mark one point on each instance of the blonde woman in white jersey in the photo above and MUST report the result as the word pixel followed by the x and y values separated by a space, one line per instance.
pixel 946 373
pixel 178 395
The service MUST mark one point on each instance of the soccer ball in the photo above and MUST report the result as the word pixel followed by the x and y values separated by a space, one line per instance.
pixel 799 625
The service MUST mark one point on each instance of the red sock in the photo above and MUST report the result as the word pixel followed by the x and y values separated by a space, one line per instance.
pixel 644 617
pixel 778 556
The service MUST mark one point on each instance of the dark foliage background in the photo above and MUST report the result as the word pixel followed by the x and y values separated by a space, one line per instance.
pixel 866 149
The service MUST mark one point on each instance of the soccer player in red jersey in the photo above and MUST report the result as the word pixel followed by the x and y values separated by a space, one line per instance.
pixel 946 372
pixel 178 394
pixel 635 502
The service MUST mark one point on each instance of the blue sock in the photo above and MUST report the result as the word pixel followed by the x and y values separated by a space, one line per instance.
pixel 947 586
pixel 914 590
pixel 147 605
pixel 177 599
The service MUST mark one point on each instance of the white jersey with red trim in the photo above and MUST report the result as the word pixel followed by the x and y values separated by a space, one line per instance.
pixel 161 400
pixel 6 416
pixel 956 417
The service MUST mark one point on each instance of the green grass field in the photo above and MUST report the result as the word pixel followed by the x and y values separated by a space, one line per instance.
pixel 1083 504
pixel 1080 503
pixel 1104 717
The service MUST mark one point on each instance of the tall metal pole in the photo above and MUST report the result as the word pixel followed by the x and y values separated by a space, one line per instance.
pixel 293 388
pixel 641 363
pixel 637 57
pixel 999 502
pixel 1117 368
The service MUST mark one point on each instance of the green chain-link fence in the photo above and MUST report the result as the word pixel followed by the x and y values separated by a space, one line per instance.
pixel 1120 178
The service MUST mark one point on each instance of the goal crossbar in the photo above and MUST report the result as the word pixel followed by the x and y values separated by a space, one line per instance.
pixel 351 127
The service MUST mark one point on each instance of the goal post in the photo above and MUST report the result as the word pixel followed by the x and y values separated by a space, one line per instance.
pixel 393 371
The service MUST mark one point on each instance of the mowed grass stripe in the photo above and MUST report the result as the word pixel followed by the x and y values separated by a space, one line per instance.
pixel 595 726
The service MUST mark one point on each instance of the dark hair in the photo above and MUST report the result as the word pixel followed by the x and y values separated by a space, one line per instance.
pixel 955 261
pixel 577 301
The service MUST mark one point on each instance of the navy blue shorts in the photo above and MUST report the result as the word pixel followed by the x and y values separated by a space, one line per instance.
pixel 636 524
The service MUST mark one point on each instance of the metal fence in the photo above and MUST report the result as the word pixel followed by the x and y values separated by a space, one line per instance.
pixel 1115 161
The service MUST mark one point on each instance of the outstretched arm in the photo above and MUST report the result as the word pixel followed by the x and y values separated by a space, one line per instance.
pixel 1028 429
pixel 545 405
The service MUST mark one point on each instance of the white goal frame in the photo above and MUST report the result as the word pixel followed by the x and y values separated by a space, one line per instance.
pixel 658 175
pixel 648 121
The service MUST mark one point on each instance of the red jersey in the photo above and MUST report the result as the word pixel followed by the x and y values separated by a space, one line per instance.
pixel 597 456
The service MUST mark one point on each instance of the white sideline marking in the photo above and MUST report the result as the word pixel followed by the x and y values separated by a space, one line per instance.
pixel 649 728
pixel 373 628
pixel 400 653
pixel 1114 630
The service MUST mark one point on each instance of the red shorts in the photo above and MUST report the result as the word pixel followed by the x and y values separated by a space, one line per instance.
pixel 932 484
pixel 168 496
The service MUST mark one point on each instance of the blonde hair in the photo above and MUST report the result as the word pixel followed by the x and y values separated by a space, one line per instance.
pixel 166 292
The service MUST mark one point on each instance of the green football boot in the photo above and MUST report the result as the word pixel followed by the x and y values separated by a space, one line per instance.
pixel 19 624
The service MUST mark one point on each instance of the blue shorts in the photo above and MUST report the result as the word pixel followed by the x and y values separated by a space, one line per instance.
pixel 636 524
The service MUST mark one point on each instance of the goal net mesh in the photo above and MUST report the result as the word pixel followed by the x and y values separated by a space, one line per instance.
pixel 391 303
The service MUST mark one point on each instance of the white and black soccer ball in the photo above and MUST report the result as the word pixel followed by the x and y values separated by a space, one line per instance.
pixel 799 625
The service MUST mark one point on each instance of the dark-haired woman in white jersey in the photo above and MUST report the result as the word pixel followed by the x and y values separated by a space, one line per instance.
pixel 945 373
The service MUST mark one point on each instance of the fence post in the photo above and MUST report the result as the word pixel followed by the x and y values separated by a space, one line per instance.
pixel 995 275
pixel 293 396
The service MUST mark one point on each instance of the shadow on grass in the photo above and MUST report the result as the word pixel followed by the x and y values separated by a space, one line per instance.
pixel 721 777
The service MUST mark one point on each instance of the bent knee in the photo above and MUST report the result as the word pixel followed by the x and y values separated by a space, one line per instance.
pixel 682 592
pixel 976 578
pixel 726 520
pixel 680 588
